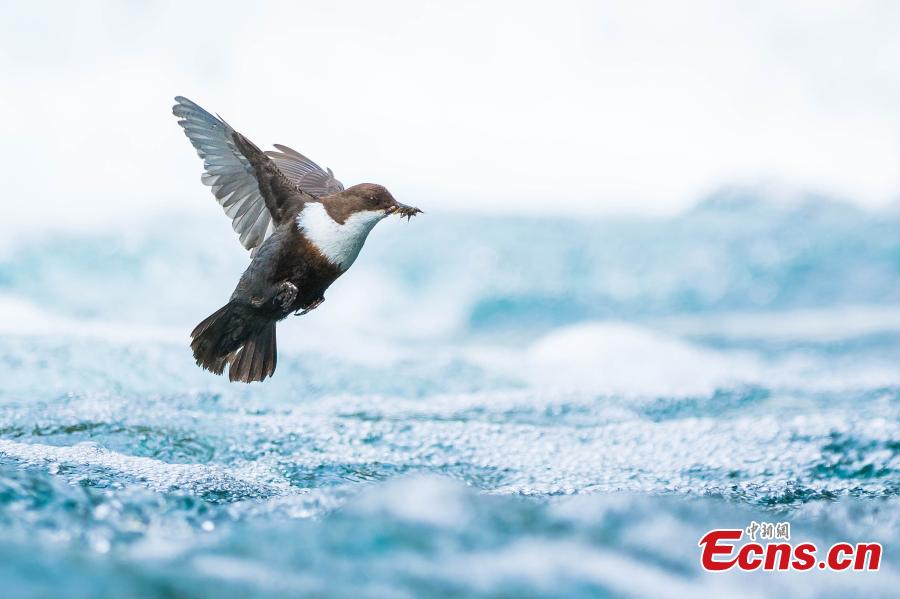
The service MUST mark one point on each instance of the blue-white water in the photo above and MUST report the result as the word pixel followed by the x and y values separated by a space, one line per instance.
pixel 482 406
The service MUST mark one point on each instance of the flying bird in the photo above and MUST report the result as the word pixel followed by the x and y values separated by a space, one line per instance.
pixel 303 230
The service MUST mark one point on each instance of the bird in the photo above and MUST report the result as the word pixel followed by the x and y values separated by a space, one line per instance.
pixel 303 230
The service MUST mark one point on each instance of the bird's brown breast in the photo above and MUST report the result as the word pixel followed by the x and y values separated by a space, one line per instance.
pixel 286 256
pixel 301 263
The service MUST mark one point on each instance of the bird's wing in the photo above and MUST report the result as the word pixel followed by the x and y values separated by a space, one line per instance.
pixel 251 189
pixel 306 174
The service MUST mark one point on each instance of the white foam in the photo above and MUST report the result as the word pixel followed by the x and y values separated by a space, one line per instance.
pixel 622 358
pixel 255 479
pixel 423 499
pixel 21 317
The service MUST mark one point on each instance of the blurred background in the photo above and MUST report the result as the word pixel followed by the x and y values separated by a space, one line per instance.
pixel 592 107
pixel 656 291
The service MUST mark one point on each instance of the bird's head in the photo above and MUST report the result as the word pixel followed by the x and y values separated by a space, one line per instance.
pixel 371 197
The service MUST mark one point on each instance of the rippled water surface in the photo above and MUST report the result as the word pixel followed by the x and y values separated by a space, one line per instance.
pixel 483 406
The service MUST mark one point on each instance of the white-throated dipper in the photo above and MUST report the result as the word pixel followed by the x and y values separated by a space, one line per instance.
pixel 303 229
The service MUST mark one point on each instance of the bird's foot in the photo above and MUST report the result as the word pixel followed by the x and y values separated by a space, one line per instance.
pixel 285 295
pixel 310 307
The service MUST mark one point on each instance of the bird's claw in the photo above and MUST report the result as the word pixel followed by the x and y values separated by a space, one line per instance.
pixel 287 293
pixel 310 307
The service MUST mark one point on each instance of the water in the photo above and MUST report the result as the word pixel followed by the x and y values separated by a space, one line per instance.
pixel 484 406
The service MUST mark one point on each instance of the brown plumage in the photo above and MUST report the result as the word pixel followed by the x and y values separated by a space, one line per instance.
pixel 303 228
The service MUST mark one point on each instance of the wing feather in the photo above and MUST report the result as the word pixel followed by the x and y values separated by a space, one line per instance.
pixel 231 164
pixel 306 174
pixel 227 171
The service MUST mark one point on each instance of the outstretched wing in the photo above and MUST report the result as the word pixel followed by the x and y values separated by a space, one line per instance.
pixel 305 173
pixel 228 172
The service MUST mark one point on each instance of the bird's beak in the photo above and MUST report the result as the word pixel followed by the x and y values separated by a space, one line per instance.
pixel 403 210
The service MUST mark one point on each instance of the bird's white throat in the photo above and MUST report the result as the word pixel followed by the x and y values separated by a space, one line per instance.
pixel 339 243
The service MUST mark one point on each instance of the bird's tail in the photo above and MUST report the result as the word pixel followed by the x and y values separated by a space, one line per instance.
pixel 236 335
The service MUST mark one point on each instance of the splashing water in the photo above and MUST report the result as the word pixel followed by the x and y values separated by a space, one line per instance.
pixel 482 406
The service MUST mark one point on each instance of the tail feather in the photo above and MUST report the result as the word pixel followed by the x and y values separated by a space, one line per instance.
pixel 235 335
pixel 256 359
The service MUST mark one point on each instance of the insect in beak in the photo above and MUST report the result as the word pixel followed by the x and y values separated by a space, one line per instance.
pixel 404 210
